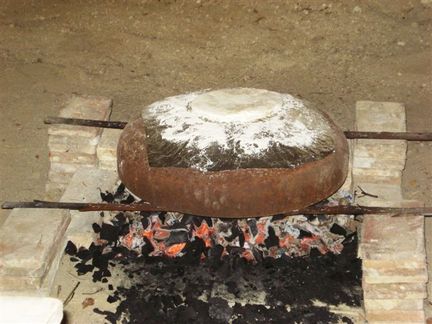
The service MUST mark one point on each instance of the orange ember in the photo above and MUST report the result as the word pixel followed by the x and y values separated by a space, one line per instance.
pixel 174 249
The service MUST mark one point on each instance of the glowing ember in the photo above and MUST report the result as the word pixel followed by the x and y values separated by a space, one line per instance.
pixel 167 234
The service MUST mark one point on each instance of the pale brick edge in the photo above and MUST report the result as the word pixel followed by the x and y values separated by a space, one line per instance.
pixel 394 283
pixel 82 141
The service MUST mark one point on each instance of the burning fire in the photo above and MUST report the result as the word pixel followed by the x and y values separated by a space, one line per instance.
pixel 168 234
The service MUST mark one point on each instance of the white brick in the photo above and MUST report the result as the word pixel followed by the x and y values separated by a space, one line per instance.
pixel 29 242
pixel 82 188
pixel 375 116
pixel 86 107
pixel 107 148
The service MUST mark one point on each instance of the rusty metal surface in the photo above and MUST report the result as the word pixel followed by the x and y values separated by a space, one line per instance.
pixel 230 193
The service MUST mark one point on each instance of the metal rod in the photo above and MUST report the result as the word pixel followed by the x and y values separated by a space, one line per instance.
pixel 85 122
pixel 144 206
pixel 408 136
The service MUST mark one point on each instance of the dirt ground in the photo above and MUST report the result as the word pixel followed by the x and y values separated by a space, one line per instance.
pixel 136 52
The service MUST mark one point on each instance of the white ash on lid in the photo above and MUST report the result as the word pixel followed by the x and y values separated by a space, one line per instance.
pixel 235 128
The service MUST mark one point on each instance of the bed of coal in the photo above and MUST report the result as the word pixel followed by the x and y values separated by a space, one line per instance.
pixel 214 284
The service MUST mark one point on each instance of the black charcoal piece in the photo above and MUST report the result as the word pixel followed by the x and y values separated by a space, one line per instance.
pixel 110 287
pixel 109 232
pixel 84 254
pixel 71 248
pixel 129 200
pixel 83 268
pixel 272 239
pixel 112 299
pixel 96 228
pixel 177 237
pixel 337 229
pixel 304 234
pixel 107 197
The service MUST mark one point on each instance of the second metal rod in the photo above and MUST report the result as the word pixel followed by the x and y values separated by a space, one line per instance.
pixel 407 136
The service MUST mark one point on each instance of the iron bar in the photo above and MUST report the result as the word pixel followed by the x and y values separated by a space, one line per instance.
pixel 144 206
pixel 408 136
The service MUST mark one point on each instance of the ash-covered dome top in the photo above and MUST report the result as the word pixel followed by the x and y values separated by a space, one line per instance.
pixel 235 128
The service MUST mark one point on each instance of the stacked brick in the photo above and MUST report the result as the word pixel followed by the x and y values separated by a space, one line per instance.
pixel 392 248
pixel 72 147
pixel 107 149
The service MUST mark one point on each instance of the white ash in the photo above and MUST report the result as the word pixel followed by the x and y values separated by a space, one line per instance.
pixel 250 121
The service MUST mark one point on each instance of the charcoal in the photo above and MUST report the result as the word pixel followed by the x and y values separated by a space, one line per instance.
pixel 219 309
pixel 177 237
pixel 83 268
pixel 96 228
pixel 84 254
pixel 197 220
pixel 147 248
pixel 304 234
pixel 253 227
pixel 272 239
pixel 112 299
pixel 71 248
pixel 278 217
pixel 208 220
pixel 235 232
pixel 337 229
pixel 145 222
pixel 120 191
pixel 107 197
pixel 120 218
pixel 109 232
pixel 73 259
pixel 129 200
pixel 204 264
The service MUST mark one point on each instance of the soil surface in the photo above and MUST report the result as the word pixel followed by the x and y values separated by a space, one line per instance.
pixel 137 52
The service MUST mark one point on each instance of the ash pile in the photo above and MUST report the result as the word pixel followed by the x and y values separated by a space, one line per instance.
pixel 192 268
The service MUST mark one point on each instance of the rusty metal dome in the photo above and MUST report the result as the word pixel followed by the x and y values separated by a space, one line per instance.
pixel 232 153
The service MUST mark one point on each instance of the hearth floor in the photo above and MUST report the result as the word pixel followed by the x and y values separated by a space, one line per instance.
pixel 98 292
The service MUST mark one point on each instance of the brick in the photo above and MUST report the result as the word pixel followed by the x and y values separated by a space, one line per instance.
pixel 387 150
pixel 68 167
pixel 405 316
pixel 385 192
pixel 87 107
pixel 378 164
pixel 74 144
pixel 393 304
pixel 384 265
pixel 29 240
pixel 82 188
pixel 107 148
pixel 380 116
pixel 378 174
pixel 384 237
pixel 108 165
pixel 403 275
pixel 73 158
pixel 394 290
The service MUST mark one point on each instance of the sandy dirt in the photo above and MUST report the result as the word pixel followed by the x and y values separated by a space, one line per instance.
pixel 137 52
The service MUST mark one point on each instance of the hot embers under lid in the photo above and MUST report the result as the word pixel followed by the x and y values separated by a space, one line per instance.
pixel 235 128
pixel 232 153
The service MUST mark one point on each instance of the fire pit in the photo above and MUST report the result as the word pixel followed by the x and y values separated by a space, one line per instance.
pixel 162 266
